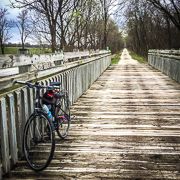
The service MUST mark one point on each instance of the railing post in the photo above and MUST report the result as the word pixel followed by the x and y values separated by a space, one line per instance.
pixel 24 105
pixel 24 113
pixel 71 87
pixel 12 129
pixel 0 170
pixel 75 84
pixel 4 136
pixel 30 95
pixel 18 116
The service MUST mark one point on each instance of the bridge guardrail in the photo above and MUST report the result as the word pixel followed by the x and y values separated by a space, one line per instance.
pixel 167 61
pixel 28 71
pixel 16 106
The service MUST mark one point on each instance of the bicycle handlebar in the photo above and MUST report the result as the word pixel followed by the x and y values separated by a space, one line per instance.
pixel 36 85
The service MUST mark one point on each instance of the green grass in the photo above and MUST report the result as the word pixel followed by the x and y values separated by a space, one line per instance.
pixel 39 51
pixel 14 50
pixel 115 59
pixel 11 50
pixel 137 57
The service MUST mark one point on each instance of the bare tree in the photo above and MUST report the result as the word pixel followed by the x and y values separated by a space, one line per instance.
pixel 24 25
pixel 108 8
pixel 71 24
pixel 149 28
pixel 49 9
pixel 64 19
pixel 169 7
pixel 41 31
pixel 5 26
pixel 106 4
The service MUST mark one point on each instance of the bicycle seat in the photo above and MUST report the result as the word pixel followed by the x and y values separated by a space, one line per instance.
pixel 55 84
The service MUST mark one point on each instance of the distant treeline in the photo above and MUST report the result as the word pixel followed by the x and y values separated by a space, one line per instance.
pixel 152 24
pixel 65 24
pixel 27 45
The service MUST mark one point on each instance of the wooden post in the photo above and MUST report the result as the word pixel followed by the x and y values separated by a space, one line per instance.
pixel 18 117
pixel 56 78
pixel 71 86
pixel 61 80
pixel 12 129
pixel 4 136
pixel 30 100
pixel 0 170
pixel 53 79
pixel 24 104
pixel 24 112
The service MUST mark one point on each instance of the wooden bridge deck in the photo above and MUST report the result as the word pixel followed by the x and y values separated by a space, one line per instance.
pixel 127 127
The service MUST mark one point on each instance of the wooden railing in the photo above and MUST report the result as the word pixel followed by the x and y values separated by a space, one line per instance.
pixel 167 61
pixel 28 70
pixel 16 106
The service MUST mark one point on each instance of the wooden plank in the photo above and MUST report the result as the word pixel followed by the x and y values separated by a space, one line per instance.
pixel 61 80
pixel 12 129
pixel 18 118
pixel 30 95
pixel 0 171
pixel 4 136
pixel 24 104
pixel 71 87
pixel 22 118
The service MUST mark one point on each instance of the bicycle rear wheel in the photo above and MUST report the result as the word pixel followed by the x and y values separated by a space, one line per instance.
pixel 63 117
pixel 38 142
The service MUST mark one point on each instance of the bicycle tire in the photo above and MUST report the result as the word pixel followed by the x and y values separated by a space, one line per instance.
pixel 38 141
pixel 64 117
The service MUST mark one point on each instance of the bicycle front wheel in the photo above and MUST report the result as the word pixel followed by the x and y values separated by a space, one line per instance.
pixel 38 142
pixel 63 117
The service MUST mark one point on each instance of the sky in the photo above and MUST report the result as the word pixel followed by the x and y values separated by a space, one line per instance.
pixel 13 12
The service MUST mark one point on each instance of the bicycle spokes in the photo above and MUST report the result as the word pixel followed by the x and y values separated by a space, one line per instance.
pixel 38 142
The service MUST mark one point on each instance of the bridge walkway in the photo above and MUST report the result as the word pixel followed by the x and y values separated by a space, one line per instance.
pixel 127 127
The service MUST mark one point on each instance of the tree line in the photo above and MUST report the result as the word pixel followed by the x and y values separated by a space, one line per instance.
pixel 152 24
pixel 80 24
pixel 64 24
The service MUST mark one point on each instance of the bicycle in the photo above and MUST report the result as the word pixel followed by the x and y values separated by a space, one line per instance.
pixel 61 111
pixel 39 131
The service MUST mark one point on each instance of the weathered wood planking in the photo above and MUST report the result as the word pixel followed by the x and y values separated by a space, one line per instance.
pixel 24 104
pixel 4 136
pixel 30 96
pixel 0 171
pixel 12 129
pixel 18 117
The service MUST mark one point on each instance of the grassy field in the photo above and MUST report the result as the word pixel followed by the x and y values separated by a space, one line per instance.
pixel 116 58
pixel 137 57
pixel 14 50
pixel 11 50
